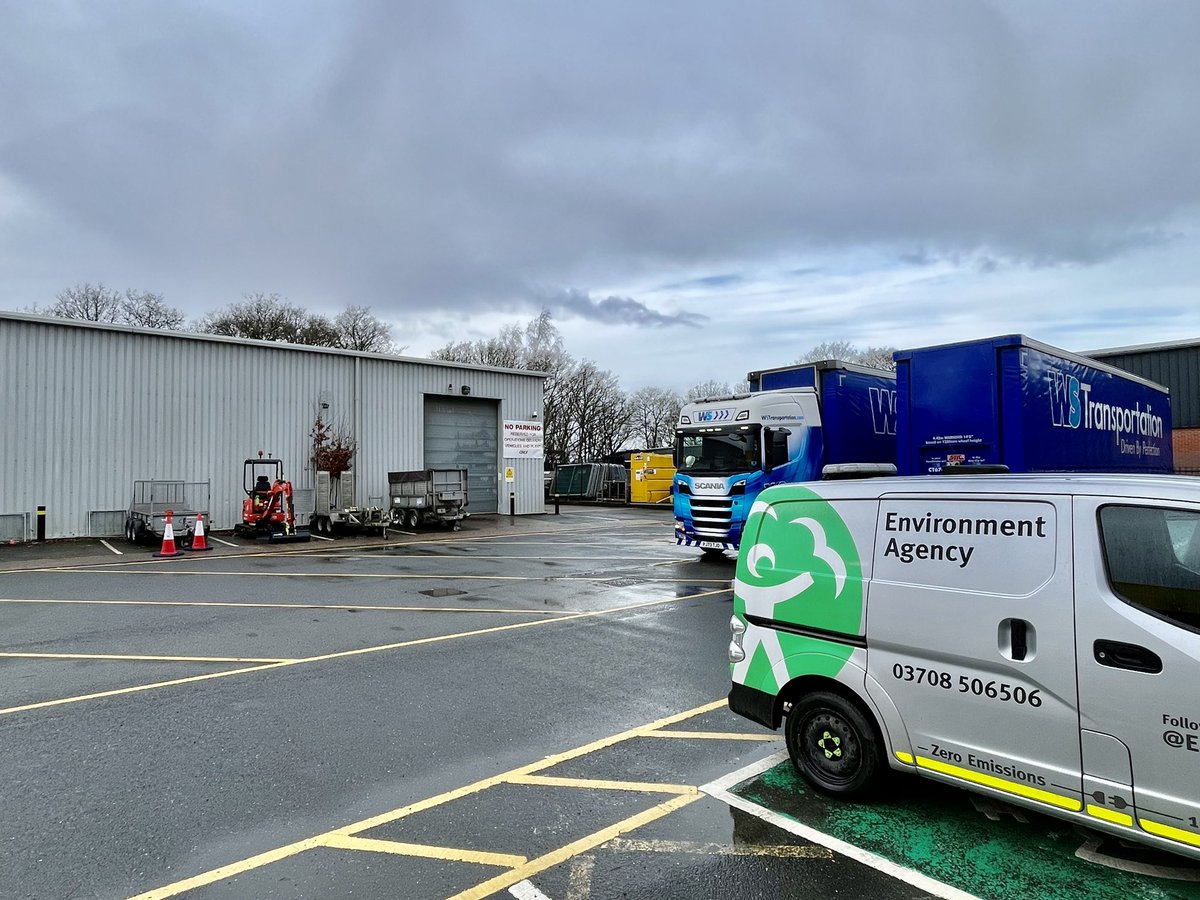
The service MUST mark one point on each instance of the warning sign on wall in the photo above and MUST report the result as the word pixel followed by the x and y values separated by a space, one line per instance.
pixel 523 439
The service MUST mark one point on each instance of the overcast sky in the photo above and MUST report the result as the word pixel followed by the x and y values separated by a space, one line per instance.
pixel 694 189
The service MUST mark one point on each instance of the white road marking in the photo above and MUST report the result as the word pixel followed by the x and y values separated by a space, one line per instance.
pixel 579 883
pixel 1090 852
pixel 112 548
pixel 525 890
pixel 226 543
pixel 696 848
pixel 719 789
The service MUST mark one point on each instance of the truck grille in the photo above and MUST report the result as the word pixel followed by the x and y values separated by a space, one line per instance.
pixel 711 515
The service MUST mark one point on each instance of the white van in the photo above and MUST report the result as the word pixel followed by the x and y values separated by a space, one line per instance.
pixel 1033 637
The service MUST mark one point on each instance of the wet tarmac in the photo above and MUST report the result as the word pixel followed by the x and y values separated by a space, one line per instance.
pixel 528 708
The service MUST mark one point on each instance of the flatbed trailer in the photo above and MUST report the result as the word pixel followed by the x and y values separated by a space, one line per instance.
pixel 152 499
pixel 427 495
pixel 335 506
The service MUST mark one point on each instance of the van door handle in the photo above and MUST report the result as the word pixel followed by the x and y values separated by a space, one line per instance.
pixel 1019 637
pixel 1119 655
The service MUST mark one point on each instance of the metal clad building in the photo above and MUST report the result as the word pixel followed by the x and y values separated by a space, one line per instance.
pixel 1177 366
pixel 89 408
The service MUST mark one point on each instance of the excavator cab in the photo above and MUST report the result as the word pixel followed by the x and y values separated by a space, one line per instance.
pixel 267 510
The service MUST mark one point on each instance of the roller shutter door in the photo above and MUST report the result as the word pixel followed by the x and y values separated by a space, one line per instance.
pixel 462 433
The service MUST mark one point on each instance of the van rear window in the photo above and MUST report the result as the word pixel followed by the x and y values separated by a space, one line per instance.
pixel 1153 560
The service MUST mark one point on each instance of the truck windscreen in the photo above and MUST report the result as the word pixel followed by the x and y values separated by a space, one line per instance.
pixel 718 451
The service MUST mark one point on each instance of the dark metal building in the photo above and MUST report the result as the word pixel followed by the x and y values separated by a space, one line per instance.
pixel 1175 365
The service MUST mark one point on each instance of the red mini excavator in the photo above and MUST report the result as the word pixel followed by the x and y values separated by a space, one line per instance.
pixel 267 510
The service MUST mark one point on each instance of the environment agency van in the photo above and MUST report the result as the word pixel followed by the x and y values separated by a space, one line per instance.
pixel 1031 637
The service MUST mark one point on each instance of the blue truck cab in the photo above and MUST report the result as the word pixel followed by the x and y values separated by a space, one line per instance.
pixel 799 423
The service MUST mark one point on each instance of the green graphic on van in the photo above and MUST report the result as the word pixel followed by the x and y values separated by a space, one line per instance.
pixel 802 568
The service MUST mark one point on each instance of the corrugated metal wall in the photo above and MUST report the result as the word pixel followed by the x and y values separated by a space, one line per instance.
pixel 1177 368
pixel 89 409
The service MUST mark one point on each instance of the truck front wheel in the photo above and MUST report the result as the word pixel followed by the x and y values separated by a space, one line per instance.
pixel 834 745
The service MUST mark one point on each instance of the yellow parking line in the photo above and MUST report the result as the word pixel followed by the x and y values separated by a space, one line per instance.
pixel 562 854
pixel 356 606
pixel 603 785
pixel 347 653
pixel 426 851
pixel 288 850
pixel 237 868
pixel 121 656
pixel 713 735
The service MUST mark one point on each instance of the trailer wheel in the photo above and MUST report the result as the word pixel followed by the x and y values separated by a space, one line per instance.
pixel 412 518
pixel 129 534
pixel 834 745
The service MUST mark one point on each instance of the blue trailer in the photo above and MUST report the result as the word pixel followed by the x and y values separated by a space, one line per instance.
pixel 828 419
pixel 1016 402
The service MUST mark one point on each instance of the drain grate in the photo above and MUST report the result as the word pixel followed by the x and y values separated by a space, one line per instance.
pixel 443 592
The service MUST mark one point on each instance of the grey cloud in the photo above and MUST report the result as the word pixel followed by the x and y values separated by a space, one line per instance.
pixel 727 279
pixel 614 310
pixel 419 157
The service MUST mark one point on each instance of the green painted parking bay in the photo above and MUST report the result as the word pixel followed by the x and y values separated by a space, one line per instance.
pixel 978 845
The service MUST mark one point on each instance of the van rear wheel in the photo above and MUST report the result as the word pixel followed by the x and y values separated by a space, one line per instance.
pixel 834 745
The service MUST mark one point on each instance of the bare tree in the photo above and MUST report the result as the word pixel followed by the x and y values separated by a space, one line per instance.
pixel 269 317
pixel 359 329
pixel 264 317
pixel 596 413
pixel 146 309
pixel 843 350
pixel 97 303
pixel 508 350
pixel 654 414
pixel 876 357
pixel 584 410
pixel 710 388
pixel 88 302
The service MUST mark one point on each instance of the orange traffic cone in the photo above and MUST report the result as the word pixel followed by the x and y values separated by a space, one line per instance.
pixel 168 547
pixel 198 541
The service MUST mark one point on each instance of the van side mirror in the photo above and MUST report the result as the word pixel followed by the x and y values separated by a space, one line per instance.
pixel 777 447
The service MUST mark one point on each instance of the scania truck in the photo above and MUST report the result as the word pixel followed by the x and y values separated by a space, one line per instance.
pixel 833 419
